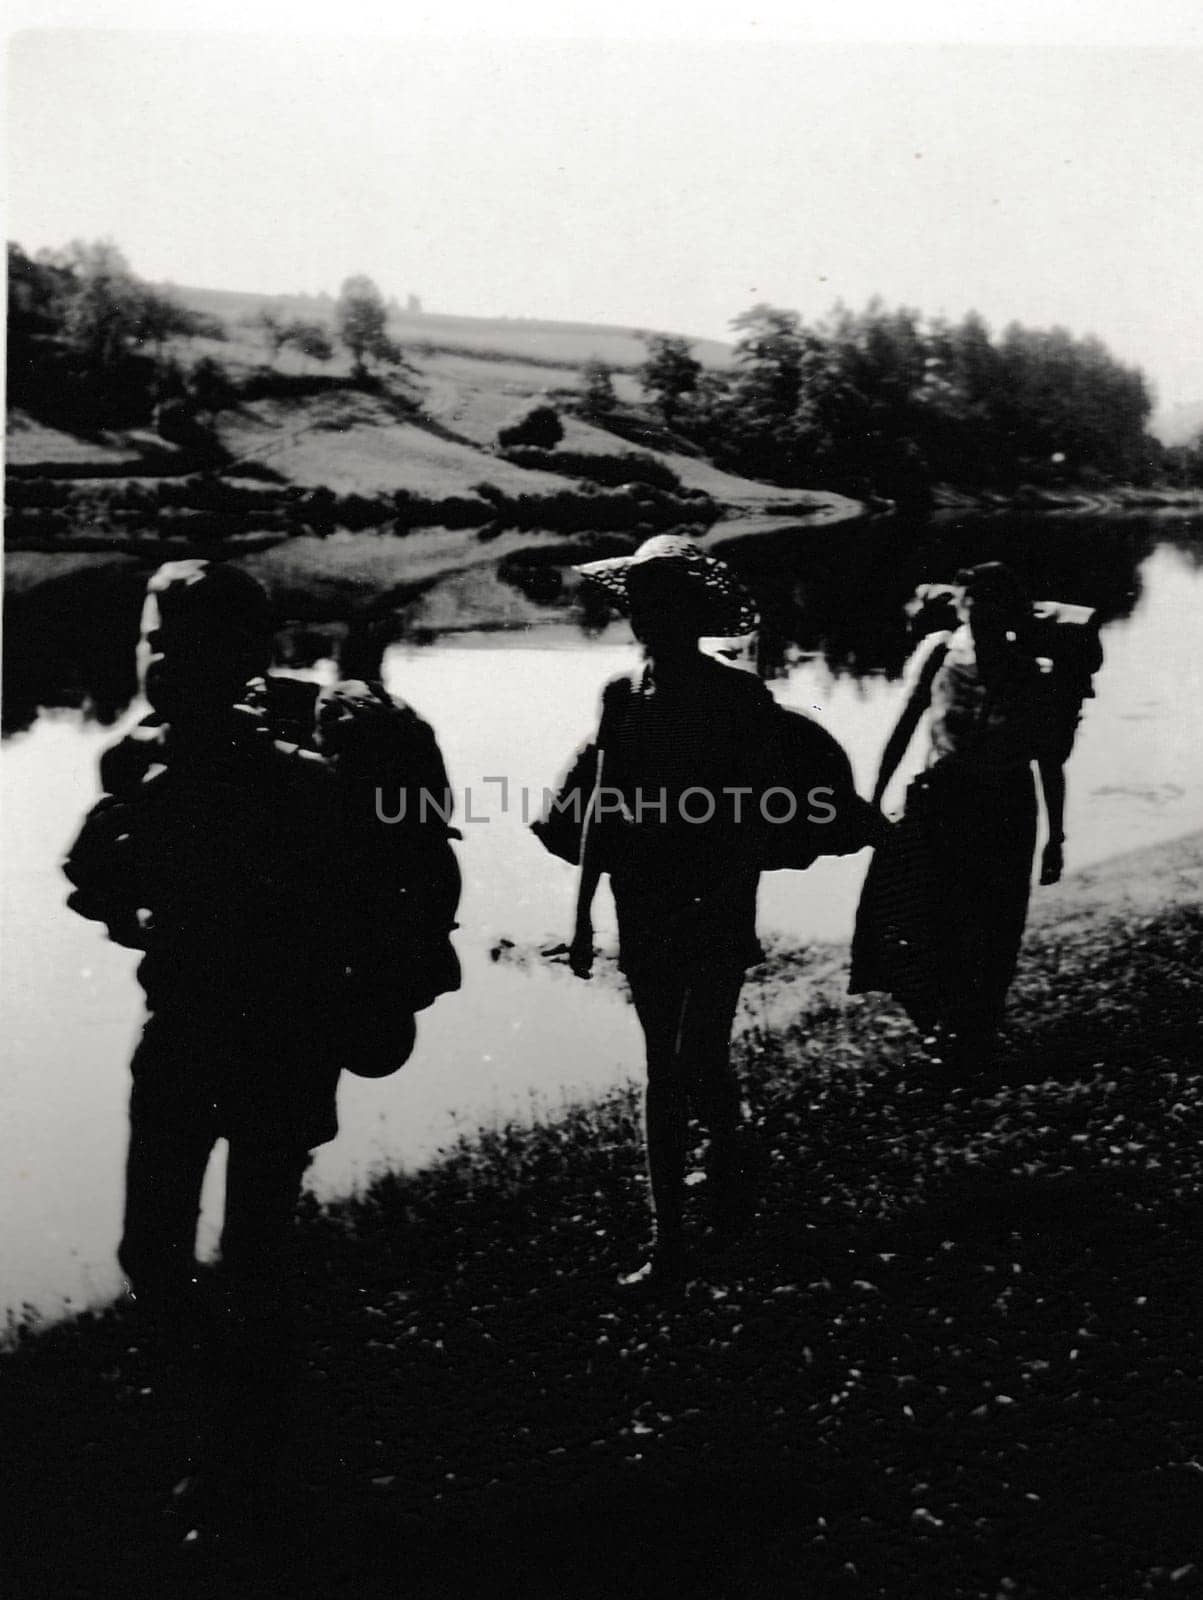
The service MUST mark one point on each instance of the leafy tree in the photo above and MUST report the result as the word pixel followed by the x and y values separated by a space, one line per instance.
pixel 670 371
pixel 1183 463
pixel 538 425
pixel 37 292
pixel 210 386
pixel 310 339
pixel 361 317
pixel 1067 397
pixel 775 414
pixel 104 307
pixel 90 293
pixel 158 317
pixel 772 351
pixel 599 395
pixel 270 324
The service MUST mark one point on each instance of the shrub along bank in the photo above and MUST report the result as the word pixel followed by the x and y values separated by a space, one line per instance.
pixel 206 507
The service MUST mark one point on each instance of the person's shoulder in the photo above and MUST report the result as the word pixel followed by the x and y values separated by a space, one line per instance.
pixel 618 690
pixel 804 732
pixel 734 685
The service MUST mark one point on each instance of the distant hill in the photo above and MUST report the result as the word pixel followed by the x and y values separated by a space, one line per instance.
pixel 1178 424
pixel 560 343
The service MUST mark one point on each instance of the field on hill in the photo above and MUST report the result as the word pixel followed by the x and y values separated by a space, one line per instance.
pixel 357 443
pixel 348 499
pixel 530 338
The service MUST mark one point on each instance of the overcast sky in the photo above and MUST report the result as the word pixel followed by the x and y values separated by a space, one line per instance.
pixel 654 182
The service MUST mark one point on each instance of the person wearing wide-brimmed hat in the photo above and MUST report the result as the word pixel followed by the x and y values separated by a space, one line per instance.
pixel 685 751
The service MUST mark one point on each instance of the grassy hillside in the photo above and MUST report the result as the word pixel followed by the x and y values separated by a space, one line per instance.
pixel 569 343
pixel 357 443
pixel 303 455
pixel 387 504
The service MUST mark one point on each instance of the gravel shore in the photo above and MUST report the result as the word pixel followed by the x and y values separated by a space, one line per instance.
pixel 957 1355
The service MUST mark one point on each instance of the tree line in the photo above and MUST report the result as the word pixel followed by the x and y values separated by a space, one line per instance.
pixel 881 401
pixel 884 401
pixel 92 343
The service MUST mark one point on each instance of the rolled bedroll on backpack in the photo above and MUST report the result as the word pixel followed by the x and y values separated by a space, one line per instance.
pixel 1061 633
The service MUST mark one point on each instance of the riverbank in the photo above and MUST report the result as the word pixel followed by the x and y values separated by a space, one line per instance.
pixel 1114 500
pixel 958 1354
pixel 397 501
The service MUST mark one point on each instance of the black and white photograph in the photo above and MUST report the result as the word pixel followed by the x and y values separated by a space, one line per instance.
pixel 602 802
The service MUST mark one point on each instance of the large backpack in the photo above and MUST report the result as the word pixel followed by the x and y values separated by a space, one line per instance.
pixel 382 898
pixel 1065 636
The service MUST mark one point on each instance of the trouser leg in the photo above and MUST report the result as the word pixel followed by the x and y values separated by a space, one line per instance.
pixel 659 1007
pixel 709 1014
pixel 165 1168
pixel 687 1024
pixel 262 1189
pixel 171 1138
pixel 257 1372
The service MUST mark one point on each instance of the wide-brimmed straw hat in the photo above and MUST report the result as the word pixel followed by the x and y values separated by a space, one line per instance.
pixel 723 604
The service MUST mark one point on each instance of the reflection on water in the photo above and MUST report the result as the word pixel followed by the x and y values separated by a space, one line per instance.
pixel 840 594
pixel 836 593
pixel 71 1005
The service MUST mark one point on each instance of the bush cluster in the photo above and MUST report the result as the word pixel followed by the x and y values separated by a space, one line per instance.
pixel 612 471
pixel 265 383
pixel 538 426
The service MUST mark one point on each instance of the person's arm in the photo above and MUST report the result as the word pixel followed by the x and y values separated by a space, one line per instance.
pixel 1052 782
pixel 580 950
pixel 917 703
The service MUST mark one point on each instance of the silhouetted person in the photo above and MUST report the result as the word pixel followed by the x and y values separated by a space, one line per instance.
pixel 684 853
pixel 950 956
pixel 234 854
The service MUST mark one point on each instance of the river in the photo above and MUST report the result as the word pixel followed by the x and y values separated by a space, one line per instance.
pixel 514 706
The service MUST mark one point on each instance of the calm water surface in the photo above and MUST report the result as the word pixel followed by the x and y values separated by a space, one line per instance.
pixel 512 706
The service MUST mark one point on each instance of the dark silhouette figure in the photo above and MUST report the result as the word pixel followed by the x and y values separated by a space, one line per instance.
pixel 944 905
pixel 678 783
pixel 287 934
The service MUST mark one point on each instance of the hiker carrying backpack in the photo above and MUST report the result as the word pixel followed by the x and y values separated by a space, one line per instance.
pixel 287 933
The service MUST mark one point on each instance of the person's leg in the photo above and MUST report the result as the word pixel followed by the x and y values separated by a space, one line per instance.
pixel 708 1014
pixel 965 861
pixel 170 1142
pixel 996 866
pixel 263 1184
pixel 257 1271
pixel 659 1001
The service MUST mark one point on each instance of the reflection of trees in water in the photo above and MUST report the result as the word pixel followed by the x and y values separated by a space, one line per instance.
pixel 70 643
pixel 835 594
pixel 840 593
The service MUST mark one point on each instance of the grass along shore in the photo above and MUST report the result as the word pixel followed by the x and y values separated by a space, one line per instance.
pixel 957 1356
